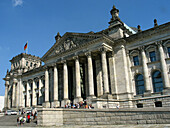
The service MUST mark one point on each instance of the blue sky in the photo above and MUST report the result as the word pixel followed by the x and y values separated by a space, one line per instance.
pixel 38 21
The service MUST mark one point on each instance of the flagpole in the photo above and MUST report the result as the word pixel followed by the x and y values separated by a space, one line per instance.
pixel 27 48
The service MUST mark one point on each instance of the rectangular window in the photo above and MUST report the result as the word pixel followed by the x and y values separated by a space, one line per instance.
pixel 152 56
pixel 136 60
pixel 169 52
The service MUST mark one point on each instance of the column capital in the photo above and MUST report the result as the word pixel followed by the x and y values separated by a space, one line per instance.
pixel 103 49
pixel 64 61
pixel 24 82
pixel 36 78
pixel 30 81
pixel 111 54
pixel 158 43
pixel 14 81
pixel 88 54
pixel 76 57
pixel 142 48
pixel 122 46
pixel 45 67
pixel 42 77
pixel 127 52
pixel 54 64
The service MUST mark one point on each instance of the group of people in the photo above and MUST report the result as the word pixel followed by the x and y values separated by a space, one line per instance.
pixel 26 117
pixel 81 104
pixel 21 120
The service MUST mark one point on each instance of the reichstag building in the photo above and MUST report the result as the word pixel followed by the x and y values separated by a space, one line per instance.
pixel 120 65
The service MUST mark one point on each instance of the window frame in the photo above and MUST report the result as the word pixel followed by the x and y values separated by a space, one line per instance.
pixel 137 85
pixel 132 54
pixel 135 61
pixel 153 82
pixel 152 58
pixel 151 48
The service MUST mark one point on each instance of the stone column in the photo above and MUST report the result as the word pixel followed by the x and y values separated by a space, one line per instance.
pixel 112 76
pixel 9 97
pixel 86 80
pixel 6 95
pixel 33 93
pixel 163 67
pixel 145 72
pixel 104 70
pixel 13 95
pixel 99 79
pixel 65 84
pixel 40 94
pixel 55 103
pixel 28 95
pixel 51 89
pixel 20 93
pixel 78 84
pixel 90 75
pixel 47 103
pixel 17 94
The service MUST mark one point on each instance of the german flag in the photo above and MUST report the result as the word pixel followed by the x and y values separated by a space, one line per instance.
pixel 25 47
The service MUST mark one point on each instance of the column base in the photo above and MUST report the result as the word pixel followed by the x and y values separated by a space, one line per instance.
pixel 77 100
pixel 64 102
pixel 89 99
pixel 107 96
pixel 55 104
pixel 147 93
pixel 19 107
pixel 46 104
pixel 114 96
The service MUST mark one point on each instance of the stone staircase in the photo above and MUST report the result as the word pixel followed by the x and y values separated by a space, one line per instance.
pixel 11 120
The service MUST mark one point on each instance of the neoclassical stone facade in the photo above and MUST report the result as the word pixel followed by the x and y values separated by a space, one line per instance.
pixel 117 66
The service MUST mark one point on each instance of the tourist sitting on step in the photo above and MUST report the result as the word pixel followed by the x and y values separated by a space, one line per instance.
pixel 21 120
pixel 18 121
pixel 28 118
pixel 24 119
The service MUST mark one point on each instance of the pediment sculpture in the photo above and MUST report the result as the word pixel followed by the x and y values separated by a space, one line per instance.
pixel 68 44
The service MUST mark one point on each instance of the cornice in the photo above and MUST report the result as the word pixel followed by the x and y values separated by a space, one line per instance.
pixel 120 24
pixel 35 70
pixel 20 56
pixel 149 32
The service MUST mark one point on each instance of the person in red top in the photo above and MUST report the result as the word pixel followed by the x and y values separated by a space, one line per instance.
pixel 28 117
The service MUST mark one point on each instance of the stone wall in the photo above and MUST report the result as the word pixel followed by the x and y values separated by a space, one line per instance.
pixel 50 117
pixel 54 116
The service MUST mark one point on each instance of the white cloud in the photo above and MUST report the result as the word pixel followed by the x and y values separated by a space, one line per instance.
pixel 17 2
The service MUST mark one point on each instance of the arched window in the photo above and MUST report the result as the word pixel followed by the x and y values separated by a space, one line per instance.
pixel 157 81
pixel 140 88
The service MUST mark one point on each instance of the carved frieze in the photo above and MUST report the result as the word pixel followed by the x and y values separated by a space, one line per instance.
pixel 68 44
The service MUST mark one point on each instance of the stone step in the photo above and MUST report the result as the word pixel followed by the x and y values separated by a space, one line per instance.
pixel 11 120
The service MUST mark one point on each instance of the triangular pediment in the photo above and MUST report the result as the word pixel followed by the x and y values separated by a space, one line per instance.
pixel 70 41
